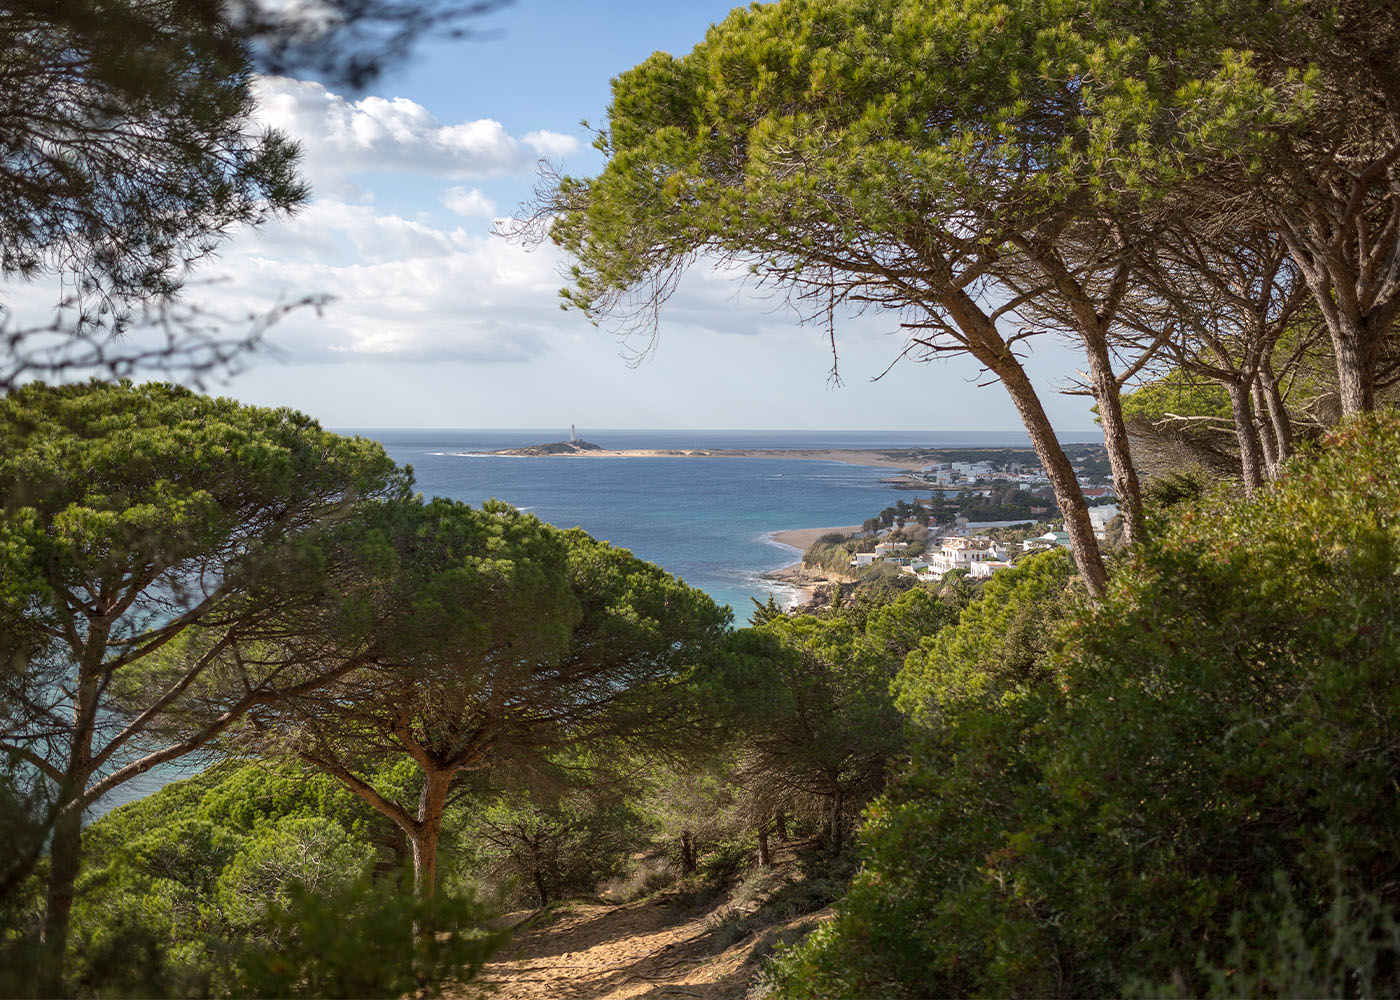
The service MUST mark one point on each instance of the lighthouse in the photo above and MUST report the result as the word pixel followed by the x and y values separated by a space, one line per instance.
pixel 573 433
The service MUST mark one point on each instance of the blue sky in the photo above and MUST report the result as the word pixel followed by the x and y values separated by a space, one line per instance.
pixel 436 323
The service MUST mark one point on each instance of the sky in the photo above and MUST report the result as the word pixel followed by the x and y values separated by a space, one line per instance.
pixel 435 322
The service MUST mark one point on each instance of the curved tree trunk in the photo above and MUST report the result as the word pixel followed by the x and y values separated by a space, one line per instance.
pixel 1108 396
pixel 987 346
pixel 764 858
pixel 780 826
pixel 540 888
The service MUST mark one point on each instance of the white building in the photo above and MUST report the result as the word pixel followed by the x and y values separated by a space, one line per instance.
pixel 863 559
pixel 1100 516
pixel 958 552
pixel 890 548
pixel 984 569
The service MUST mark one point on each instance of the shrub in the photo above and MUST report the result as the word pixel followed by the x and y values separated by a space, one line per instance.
pixel 1229 716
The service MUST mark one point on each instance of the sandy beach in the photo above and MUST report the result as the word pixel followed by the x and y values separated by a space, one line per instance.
pixel 802 538
pixel 793 574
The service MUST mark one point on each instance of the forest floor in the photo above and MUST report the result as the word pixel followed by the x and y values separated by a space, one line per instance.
pixel 668 946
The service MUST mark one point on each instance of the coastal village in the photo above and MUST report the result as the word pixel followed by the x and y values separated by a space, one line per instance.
pixel 925 540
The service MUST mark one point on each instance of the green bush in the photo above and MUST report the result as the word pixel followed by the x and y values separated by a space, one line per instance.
pixel 356 939
pixel 177 886
pixel 1122 811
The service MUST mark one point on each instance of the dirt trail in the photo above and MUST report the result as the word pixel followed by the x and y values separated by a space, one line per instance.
pixel 650 949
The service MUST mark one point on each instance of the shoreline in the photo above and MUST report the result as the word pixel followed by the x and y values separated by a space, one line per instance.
pixel 793 574
pixel 848 456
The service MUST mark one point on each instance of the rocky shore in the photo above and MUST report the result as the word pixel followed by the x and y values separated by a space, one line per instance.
pixel 810 582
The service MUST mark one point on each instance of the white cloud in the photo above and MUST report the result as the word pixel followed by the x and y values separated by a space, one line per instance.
pixel 469 202
pixel 402 290
pixel 379 134
pixel 554 144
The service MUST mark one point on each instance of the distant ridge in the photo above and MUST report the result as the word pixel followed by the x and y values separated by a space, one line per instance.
pixel 574 447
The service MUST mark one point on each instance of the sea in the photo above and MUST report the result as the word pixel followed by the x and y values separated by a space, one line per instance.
pixel 709 521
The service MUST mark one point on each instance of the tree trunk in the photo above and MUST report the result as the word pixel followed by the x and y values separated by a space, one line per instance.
pixel 66 848
pixel 1108 396
pixel 1063 482
pixel 1355 383
pixel 65 858
pixel 780 826
pixel 764 859
pixel 432 801
pixel 540 887
pixel 986 345
pixel 689 861
pixel 1355 333
pixel 1267 386
pixel 834 822
pixel 1250 467
pixel 1264 428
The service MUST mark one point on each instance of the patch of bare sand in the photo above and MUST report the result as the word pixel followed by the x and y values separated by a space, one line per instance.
pixel 801 539
pixel 646 950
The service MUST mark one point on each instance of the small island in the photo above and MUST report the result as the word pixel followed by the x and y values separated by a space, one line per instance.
pixel 571 447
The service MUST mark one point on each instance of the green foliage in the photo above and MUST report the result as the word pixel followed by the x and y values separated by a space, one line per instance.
pixel 25 821
pixel 912 111
pixel 1123 812
pixel 1182 486
pixel 898 628
pixel 1179 393
pixel 833 552
pixel 357 939
pixel 998 643
pixel 811 699
pixel 765 612
pixel 545 847
pixel 146 160
pixel 692 808
pixel 315 854
pixel 178 884
pixel 1348 948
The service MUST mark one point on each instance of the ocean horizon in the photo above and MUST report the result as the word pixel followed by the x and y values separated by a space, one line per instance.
pixel 709 521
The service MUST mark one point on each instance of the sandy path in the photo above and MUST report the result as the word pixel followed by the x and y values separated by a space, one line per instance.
pixel 646 950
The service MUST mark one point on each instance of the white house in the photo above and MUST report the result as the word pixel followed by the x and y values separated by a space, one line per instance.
pixel 958 552
pixel 863 559
pixel 890 548
pixel 984 569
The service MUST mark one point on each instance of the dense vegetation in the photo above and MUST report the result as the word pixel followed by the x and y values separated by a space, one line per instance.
pixel 1167 769
pixel 1188 783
